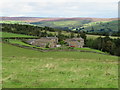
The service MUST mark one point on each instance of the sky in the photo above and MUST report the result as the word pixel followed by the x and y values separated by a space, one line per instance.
pixel 59 8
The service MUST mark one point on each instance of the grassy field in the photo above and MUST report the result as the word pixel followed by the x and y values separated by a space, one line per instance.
pixel 96 36
pixel 13 22
pixel 24 68
pixel 6 35
pixel 62 23
pixel 89 49
pixel 19 42
pixel 16 41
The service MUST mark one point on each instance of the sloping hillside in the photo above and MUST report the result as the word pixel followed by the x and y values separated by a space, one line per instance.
pixel 81 25
pixel 100 26
pixel 62 23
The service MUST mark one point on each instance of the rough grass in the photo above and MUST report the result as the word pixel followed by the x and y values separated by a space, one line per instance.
pixel 24 68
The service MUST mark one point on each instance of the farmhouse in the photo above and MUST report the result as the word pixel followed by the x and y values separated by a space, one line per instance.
pixel 75 42
pixel 50 42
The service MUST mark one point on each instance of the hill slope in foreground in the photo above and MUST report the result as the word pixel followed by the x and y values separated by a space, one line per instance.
pixel 26 68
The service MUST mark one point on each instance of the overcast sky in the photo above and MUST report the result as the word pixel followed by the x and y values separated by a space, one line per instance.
pixel 60 8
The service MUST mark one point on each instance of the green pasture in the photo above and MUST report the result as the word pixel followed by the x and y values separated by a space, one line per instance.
pixel 62 23
pixel 13 22
pixel 12 41
pixel 20 42
pixel 89 49
pixel 17 22
pixel 6 35
pixel 96 36
pixel 25 68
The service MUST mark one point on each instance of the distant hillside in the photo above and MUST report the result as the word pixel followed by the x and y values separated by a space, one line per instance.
pixel 82 25
pixel 90 25
pixel 62 23
pixel 37 19
pixel 100 26
pixel 25 19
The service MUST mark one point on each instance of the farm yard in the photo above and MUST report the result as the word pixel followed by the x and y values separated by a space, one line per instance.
pixel 24 68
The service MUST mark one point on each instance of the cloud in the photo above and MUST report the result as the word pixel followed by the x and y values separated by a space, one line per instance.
pixel 60 1
pixel 60 8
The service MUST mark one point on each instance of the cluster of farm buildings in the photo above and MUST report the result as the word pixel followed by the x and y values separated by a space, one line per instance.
pixel 52 42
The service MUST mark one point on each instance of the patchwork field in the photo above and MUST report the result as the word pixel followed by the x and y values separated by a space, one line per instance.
pixel 24 68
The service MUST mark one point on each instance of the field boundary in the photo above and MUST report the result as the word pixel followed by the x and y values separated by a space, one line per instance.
pixel 53 50
pixel 19 38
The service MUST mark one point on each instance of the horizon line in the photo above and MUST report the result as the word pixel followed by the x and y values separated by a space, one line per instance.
pixel 56 17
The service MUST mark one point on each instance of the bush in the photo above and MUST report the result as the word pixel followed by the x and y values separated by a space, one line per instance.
pixel 47 45
pixel 71 47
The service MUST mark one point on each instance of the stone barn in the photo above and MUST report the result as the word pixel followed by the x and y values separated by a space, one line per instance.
pixel 50 42
pixel 75 42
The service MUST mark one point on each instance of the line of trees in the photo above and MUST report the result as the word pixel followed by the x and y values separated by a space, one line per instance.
pixel 27 29
pixel 105 44
pixel 33 30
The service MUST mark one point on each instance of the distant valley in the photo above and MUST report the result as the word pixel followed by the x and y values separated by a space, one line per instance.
pixel 89 25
